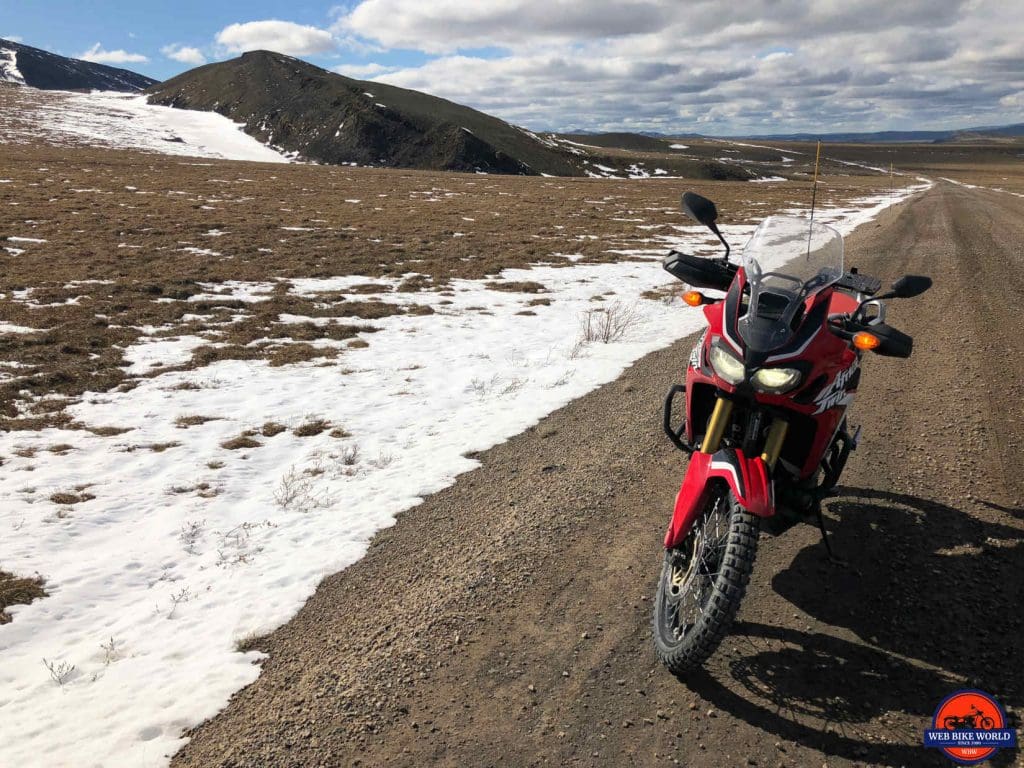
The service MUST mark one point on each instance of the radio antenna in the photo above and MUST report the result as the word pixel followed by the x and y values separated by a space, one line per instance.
pixel 814 195
pixel 892 181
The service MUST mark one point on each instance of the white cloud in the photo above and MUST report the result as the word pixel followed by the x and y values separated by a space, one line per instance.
pixel 362 71
pixel 274 35
pixel 98 55
pixel 1013 101
pixel 183 53
pixel 12 38
pixel 760 66
pixel 447 25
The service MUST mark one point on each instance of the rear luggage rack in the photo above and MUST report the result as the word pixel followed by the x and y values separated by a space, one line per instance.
pixel 858 283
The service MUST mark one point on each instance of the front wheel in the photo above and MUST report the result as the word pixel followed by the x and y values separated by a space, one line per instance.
pixel 702 583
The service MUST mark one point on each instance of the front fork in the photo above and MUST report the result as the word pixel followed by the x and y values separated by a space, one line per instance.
pixel 719 422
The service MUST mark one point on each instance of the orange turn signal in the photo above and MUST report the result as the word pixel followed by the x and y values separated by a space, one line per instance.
pixel 865 340
pixel 693 298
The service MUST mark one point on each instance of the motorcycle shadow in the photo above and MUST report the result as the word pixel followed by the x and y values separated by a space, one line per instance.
pixel 932 597
pixel 926 581
pixel 818 690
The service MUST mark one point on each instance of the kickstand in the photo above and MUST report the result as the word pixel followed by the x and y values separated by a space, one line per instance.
pixel 824 537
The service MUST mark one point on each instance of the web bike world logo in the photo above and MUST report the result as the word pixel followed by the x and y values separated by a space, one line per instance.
pixel 969 726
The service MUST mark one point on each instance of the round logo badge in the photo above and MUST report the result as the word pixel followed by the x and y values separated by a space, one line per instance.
pixel 969 726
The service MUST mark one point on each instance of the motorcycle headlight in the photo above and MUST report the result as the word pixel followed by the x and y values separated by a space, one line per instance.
pixel 726 364
pixel 776 380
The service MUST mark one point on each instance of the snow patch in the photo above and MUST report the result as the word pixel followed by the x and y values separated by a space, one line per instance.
pixel 6 327
pixel 156 353
pixel 127 121
pixel 9 72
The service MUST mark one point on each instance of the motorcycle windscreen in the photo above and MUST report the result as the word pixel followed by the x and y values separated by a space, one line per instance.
pixel 787 260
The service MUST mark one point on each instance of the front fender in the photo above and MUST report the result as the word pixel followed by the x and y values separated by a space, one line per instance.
pixel 747 478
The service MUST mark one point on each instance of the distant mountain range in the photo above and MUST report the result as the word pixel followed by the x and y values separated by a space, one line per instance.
pixel 25 65
pixel 897 137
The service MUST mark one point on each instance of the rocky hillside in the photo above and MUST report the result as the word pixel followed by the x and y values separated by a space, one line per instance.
pixel 25 65
pixel 330 118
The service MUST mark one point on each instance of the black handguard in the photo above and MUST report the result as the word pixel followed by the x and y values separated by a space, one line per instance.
pixel 894 343
pixel 699 272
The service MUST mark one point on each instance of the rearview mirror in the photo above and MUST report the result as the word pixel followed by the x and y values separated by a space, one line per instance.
pixel 700 209
pixel 909 286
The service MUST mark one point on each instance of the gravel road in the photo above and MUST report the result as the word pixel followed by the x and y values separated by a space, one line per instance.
pixel 505 621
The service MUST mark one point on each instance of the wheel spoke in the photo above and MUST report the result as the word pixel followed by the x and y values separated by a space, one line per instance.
pixel 695 572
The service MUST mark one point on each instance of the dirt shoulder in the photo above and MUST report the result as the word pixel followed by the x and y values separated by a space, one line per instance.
pixel 505 620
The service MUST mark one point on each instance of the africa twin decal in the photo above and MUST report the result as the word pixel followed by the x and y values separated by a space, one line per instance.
pixel 835 394
pixel 695 354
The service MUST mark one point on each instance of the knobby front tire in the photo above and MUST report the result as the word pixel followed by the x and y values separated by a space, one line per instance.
pixel 703 582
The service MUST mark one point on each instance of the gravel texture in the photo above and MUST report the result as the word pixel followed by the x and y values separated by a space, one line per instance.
pixel 505 621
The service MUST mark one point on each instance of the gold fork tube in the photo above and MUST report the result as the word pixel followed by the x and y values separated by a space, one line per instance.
pixel 773 445
pixel 716 425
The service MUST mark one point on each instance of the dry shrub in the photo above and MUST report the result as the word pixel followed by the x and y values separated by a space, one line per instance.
pixel 240 442
pixel 349 455
pixel 521 286
pixel 272 428
pixel 608 324
pixel 291 354
pixel 184 422
pixel 161 447
pixel 107 431
pixel 311 427
pixel 18 591
pixel 67 497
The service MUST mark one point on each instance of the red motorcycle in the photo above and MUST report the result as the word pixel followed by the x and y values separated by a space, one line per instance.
pixel 767 388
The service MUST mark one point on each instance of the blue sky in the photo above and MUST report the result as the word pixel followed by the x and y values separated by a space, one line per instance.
pixel 710 66
pixel 145 27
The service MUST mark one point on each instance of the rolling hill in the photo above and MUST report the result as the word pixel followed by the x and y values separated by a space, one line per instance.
pixel 329 118
pixel 1002 132
pixel 25 65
